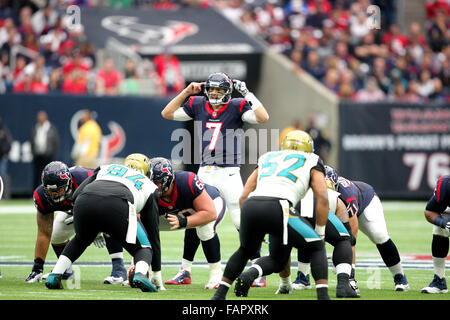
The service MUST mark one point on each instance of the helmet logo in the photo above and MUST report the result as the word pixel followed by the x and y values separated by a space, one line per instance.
pixel 64 176
pixel 165 170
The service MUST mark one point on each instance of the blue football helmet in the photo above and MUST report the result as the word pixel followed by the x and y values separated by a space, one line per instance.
pixel 218 80
pixel 162 173
pixel 57 181
pixel 332 177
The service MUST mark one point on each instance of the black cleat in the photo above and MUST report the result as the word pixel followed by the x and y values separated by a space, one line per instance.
pixel 243 284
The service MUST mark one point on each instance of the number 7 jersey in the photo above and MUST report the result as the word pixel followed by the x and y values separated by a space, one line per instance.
pixel 285 174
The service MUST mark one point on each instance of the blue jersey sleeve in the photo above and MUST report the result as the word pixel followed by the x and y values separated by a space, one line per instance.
pixel 189 106
pixel 244 106
pixel 440 199
pixel 348 194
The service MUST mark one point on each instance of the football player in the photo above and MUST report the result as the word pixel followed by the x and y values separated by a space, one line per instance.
pixel 108 201
pixel 281 179
pixel 437 212
pixel 188 203
pixel 366 214
pixel 220 116
pixel 54 195
pixel 336 234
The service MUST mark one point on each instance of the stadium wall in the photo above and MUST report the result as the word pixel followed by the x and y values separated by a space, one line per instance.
pixel 129 124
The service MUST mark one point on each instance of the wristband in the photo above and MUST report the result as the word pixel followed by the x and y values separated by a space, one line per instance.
pixel 440 222
pixel 182 221
pixel 320 230
pixel 253 101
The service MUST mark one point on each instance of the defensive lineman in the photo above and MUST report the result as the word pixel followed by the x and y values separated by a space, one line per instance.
pixel 109 201
pixel 437 212
pixel 281 180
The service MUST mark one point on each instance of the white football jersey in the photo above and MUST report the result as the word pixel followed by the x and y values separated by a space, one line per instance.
pixel 140 186
pixel 307 203
pixel 285 174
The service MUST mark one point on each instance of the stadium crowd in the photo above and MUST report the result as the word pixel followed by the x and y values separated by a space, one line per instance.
pixel 328 39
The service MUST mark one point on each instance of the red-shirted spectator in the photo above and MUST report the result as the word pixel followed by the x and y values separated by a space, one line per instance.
pixel 168 68
pixel 75 83
pixel 108 79
pixel 75 64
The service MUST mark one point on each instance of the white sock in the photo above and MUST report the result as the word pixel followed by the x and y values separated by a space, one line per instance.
pixel 285 281
pixel 439 267
pixel 396 269
pixel 186 265
pixel 304 267
pixel 117 255
pixel 62 265
pixel 344 268
pixel 141 267
pixel 215 268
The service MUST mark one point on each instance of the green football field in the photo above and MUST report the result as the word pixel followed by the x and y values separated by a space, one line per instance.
pixel 405 220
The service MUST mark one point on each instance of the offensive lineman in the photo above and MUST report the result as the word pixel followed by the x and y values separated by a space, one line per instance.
pixel 281 179
pixel 187 203
pixel 437 212
pixel 364 204
pixel 54 195
pixel 109 201
pixel 221 118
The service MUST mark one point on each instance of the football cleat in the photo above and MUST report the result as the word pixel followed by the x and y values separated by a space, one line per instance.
pixel 401 284
pixel 259 282
pixel 438 285
pixel 142 282
pixel 302 282
pixel 54 281
pixel 243 284
pixel 157 280
pixel 34 276
pixel 343 288
pixel 182 277
pixel 285 289
pixel 353 282
pixel 114 280
pixel 214 280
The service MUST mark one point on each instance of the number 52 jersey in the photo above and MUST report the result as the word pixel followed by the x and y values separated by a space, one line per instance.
pixel 285 174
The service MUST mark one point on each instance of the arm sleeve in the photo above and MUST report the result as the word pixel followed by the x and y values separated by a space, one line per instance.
pixel 150 220
pixel 249 117
pixel 181 115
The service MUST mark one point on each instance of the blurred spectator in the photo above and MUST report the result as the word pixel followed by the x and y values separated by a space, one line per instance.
pixel 75 82
pixel 331 80
pixel 44 139
pixel 314 66
pixel 76 63
pixel 108 79
pixel 165 5
pixel 168 68
pixel 55 81
pixel 438 33
pixel 5 147
pixel 87 146
pixel 371 92
pixel 322 146
pixel 426 84
pixel 44 19
pixel 130 85
pixel 412 94
pixel 296 125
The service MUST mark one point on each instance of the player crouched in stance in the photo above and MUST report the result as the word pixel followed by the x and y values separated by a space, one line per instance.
pixel 108 201
pixel 281 179
pixel 187 203
pixel 366 214
pixel 437 212
pixel 337 234
pixel 54 195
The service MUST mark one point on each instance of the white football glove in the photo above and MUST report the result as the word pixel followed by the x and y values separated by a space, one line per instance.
pixel 99 242
pixel 285 289
pixel 68 220
pixel 34 276
pixel 240 87
pixel 447 226
pixel 157 280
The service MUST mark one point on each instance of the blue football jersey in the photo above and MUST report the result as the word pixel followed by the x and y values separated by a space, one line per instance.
pixel 187 187
pixel 221 143
pixel 356 195
pixel 440 199
pixel 46 206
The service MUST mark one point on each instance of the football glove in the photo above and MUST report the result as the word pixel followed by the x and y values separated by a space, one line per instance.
pixel 284 289
pixel 240 87
pixel 68 220
pixel 99 242
pixel 447 226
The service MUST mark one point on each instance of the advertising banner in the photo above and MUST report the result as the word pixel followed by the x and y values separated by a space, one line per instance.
pixel 400 149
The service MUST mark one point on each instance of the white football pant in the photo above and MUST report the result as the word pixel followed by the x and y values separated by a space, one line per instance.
pixel 372 224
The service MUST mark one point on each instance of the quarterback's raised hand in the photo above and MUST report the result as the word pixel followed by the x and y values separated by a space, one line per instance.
pixel 194 88
pixel 240 87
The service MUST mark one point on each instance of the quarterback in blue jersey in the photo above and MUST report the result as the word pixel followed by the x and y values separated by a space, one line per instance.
pixel 221 119
pixel 437 212
pixel 187 203
pixel 366 214
pixel 54 196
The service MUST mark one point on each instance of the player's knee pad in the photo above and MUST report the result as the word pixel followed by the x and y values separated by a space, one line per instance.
pixel 236 217
pixel 61 231
pixel 206 232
